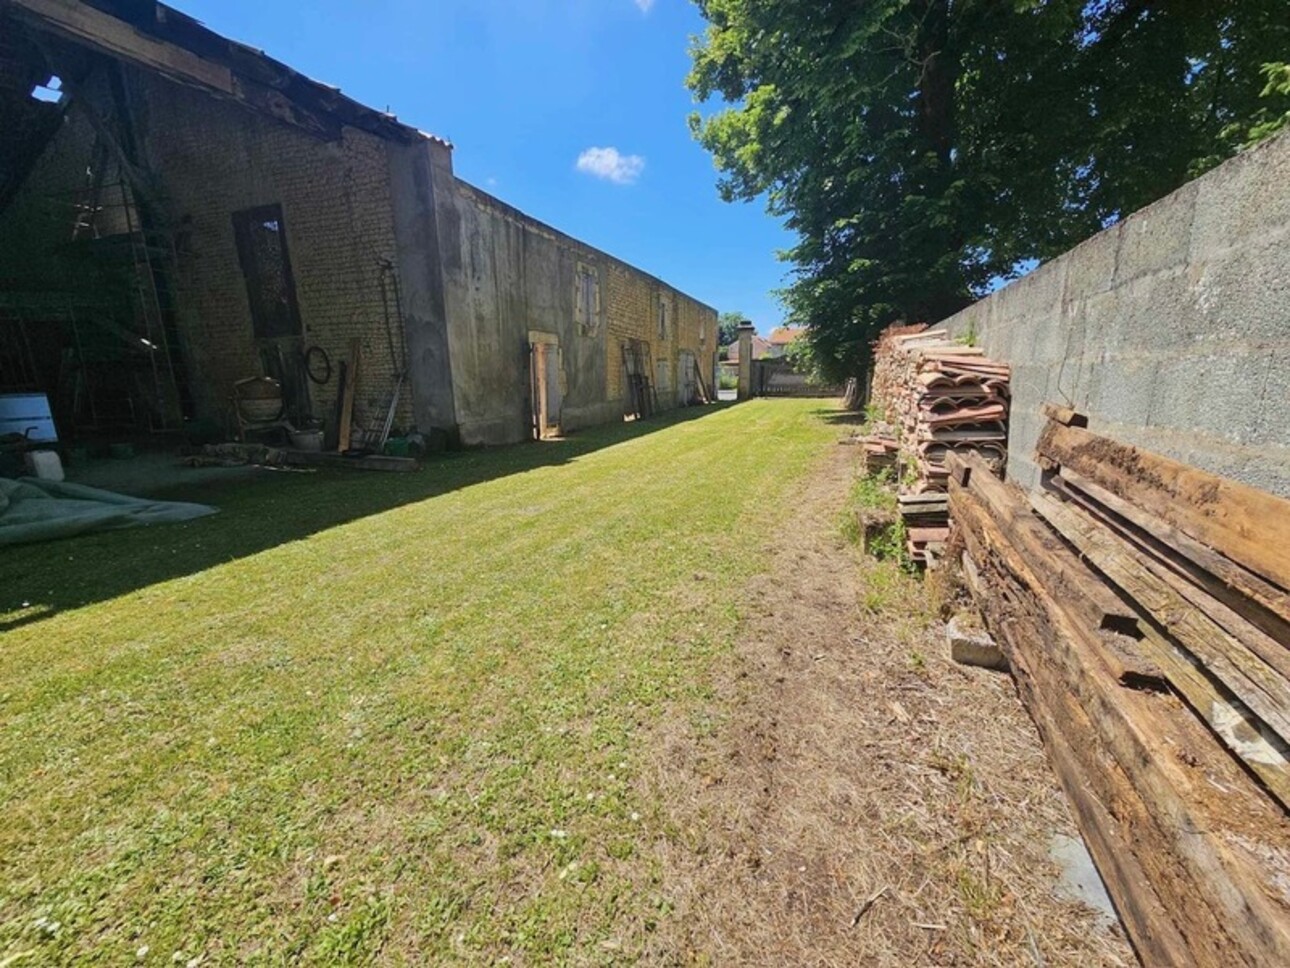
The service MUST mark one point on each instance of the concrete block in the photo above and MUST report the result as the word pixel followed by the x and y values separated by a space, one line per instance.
pixel 1149 314
pixel 1157 237
pixel 1118 390
pixel 1242 294
pixel 1091 268
pixel 972 645
pixel 1220 395
pixel 1271 428
pixel 1242 200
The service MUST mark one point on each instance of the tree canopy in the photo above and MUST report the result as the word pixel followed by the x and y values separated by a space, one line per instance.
pixel 920 149
pixel 727 327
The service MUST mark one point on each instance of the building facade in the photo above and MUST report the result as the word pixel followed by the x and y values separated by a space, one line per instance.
pixel 184 213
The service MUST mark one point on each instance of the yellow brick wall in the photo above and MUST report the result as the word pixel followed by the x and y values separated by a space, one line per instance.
pixel 631 312
pixel 215 158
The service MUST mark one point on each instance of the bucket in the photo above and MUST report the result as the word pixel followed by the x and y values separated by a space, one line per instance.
pixel 310 440
pixel 44 464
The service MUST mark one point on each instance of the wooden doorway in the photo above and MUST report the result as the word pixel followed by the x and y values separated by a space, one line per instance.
pixel 546 394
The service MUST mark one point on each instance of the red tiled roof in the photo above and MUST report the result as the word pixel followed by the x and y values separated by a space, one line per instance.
pixel 783 335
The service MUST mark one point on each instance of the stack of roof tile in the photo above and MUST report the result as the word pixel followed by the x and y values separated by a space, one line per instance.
pixel 941 397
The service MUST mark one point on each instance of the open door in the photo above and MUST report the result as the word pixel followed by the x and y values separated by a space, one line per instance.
pixel 546 397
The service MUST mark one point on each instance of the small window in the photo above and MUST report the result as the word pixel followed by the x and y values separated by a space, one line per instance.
pixel 261 239
pixel 586 296
pixel 664 315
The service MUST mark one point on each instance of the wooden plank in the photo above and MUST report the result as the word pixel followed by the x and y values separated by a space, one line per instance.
pixel 1150 765
pixel 109 35
pixel 1260 603
pixel 1101 798
pixel 347 398
pixel 1095 605
pixel 1065 416
pixel 1239 728
pixel 1264 689
pixel 1153 765
pixel 1270 647
pixel 1250 526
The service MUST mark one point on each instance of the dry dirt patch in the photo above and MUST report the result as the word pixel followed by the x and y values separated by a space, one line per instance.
pixel 863 800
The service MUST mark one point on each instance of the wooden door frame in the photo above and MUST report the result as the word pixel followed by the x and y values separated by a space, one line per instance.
pixel 540 345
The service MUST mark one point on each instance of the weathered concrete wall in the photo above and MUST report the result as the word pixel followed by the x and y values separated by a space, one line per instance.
pixel 507 274
pixel 413 171
pixel 476 276
pixel 1171 330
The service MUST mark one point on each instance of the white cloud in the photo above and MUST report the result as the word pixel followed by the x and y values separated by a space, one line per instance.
pixel 609 164
pixel 644 5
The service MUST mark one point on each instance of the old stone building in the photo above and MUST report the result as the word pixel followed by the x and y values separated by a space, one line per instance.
pixel 179 213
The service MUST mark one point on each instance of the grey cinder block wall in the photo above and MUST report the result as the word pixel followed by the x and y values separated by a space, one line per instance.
pixel 1171 329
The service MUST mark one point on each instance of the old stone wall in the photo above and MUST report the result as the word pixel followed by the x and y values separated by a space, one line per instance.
pixel 1171 330
pixel 508 275
pixel 215 158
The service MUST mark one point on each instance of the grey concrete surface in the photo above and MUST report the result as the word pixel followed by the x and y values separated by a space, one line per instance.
pixel 1171 330
pixel 420 275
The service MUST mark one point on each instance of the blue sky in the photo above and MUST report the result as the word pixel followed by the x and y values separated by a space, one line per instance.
pixel 524 89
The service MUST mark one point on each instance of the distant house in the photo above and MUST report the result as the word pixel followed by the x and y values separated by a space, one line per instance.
pixel 779 340
pixel 762 349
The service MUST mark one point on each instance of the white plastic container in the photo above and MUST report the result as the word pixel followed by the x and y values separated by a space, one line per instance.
pixel 44 464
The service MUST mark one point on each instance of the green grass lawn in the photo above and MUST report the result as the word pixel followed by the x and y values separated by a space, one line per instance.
pixel 363 717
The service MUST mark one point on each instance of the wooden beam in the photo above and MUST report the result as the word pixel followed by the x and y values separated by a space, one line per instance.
pixel 115 38
pixel 1095 605
pixel 1261 686
pixel 1206 688
pixel 1260 603
pixel 345 432
pixel 1143 774
pixel 1064 415
pixel 1250 526
pixel 108 35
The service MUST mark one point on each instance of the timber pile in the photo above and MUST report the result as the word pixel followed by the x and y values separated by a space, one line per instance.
pixel 943 398
pixel 1143 606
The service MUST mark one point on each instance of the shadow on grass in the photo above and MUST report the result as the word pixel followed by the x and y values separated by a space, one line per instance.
pixel 260 512
pixel 836 415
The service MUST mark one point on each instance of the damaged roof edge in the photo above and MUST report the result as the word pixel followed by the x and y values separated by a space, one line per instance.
pixel 519 215
pixel 133 30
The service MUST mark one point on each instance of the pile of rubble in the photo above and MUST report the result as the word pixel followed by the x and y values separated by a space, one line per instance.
pixel 935 397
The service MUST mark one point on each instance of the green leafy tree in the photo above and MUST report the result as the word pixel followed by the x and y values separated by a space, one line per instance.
pixel 1269 120
pixel 727 328
pixel 920 149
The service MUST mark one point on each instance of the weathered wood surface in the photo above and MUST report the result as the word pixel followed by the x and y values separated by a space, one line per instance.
pixel 1205 688
pixel 345 432
pixel 1261 686
pixel 1193 870
pixel 1247 525
pixel 110 35
pixel 1259 602
pixel 1095 605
